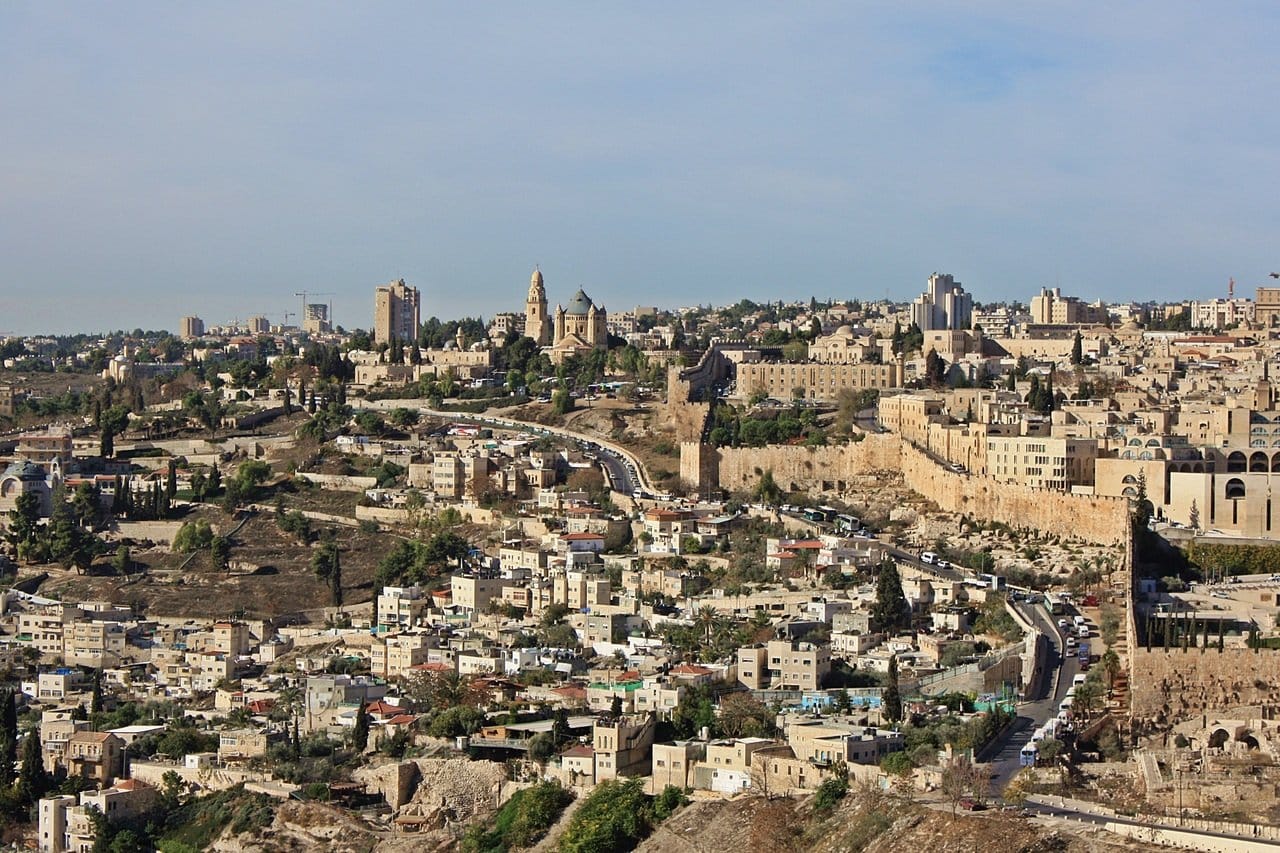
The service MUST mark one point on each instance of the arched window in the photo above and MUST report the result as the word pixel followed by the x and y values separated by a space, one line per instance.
pixel 1128 479
pixel 1235 489
pixel 1236 462
pixel 1258 462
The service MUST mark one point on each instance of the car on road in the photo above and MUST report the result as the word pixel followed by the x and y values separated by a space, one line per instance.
pixel 1071 642
pixel 929 557
pixel 1063 623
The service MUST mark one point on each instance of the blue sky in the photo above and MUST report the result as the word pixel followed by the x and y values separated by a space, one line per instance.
pixel 161 159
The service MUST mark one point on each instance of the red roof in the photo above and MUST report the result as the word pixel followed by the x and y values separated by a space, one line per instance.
pixel 690 669
pixel 384 709
pixel 580 537
pixel 580 751
pixel 402 720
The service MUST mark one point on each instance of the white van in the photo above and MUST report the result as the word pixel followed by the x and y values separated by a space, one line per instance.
pixel 1079 679
pixel 929 557
pixel 1080 620
pixel 1066 704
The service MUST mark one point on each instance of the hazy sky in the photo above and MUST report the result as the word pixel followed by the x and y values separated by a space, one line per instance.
pixel 162 159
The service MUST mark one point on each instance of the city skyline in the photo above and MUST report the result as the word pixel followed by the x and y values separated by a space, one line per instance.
pixel 214 161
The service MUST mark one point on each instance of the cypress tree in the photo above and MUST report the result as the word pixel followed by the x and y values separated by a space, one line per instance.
pixel 360 735
pixel 33 781
pixel 891 703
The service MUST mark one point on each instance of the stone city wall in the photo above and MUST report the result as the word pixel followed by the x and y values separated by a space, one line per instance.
pixel 1170 685
pixel 810 469
pixel 821 470
pixel 1095 519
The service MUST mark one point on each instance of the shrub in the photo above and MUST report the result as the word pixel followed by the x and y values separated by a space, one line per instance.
pixel 830 792
pixel 616 816
pixel 192 536
pixel 521 821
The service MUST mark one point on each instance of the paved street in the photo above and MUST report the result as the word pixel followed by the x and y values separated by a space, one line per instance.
pixel 1044 697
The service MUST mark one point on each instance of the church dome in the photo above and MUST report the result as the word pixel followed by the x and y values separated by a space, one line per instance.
pixel 535 283
pixel 845 331
pixel 580 304
pixel 26 471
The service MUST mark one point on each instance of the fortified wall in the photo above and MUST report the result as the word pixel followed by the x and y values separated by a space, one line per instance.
pixel 1096 519
pixel 808 469
pixel 685 411
pixel 819 470
pixel 1170 685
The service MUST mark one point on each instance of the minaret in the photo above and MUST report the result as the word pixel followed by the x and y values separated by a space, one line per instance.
pixel 536 322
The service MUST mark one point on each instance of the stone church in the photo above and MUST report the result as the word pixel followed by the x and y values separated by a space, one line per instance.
pixel 578 327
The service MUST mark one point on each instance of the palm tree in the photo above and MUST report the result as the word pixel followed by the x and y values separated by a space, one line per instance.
pixel 1086 699
pixel 1111 665
pixel 707 619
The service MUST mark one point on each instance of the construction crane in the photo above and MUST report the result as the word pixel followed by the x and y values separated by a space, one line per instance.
pixel 302 318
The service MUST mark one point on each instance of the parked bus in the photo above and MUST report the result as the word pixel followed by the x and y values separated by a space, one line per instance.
pixel 815 515
pixel 1052 603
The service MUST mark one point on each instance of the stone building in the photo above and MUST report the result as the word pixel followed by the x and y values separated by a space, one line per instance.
pixel 396 312
pixel 579 327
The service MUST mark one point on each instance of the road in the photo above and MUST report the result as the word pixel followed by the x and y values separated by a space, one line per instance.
pixel 625 471
pixel 1042 698
pixel 1044 806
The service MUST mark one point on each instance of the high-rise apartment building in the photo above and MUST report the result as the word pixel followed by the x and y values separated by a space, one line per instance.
pixel 396 312
pixel 192 327
pixel 259 325
pixel 316 321
pixel 943 305
pixel 1051 308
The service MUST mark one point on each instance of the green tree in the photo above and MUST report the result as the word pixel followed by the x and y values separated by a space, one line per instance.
pixel 1077 350
pixel 24 522
pixel 251 474
pixel 33 781
pixel 360 733
pixel 122 560
pixel 890 612
pixel 220 551
pixel 111 423
pixel 891 700
pixel 327 565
